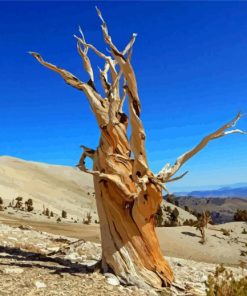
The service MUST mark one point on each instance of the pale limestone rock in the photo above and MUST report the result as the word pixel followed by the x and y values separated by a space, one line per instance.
pixel 40 285
pixel 111 279
pixel 10 270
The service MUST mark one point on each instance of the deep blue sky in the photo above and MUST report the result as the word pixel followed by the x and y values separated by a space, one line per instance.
pixel 190 60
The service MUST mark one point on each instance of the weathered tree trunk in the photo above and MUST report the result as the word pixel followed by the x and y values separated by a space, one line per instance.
pixel 128 194
pixel 129 242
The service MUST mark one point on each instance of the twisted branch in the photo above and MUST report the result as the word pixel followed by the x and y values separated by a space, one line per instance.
pixel 98 105
pixel 168 171
pixel 113 178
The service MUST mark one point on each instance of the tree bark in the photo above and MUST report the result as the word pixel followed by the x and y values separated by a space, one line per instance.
pixel 129 243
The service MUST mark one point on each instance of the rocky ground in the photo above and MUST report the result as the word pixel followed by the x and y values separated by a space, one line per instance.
pixel 38 263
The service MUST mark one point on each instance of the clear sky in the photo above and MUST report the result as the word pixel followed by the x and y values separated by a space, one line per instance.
pixel 190 60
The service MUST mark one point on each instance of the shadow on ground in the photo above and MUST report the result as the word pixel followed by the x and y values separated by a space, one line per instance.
pixel 29 259
pixel 190 234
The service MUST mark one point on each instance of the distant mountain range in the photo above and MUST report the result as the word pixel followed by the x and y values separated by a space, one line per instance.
pixel 228 191
pixel 222 209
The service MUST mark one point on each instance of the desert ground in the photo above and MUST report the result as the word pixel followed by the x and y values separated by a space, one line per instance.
pixel 40 256
pixel 170 238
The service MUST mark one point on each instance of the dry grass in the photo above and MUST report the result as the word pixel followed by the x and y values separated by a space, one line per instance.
pixel 223 283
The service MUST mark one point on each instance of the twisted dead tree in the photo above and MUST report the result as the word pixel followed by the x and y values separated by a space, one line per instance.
pixel 128 194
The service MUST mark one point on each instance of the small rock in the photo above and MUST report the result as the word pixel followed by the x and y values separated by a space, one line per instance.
pixel 111 279
pixel 10 270
pixel 53 249
pixel 40 285
pixel 90 264
pixel 204 278
pixel 109 288
pixel 12 238
pixel 72 256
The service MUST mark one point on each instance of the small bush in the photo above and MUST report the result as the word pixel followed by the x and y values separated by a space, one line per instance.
pixel 88 219
pixel 240 215
pixel 30 208
pixel 19 203
pixel 225 231
pixel 159 221
pixel 29 205
pixel 64 214
pixel 168 209
pixel 19 198
pixel 243 253
pixel 170 198
pixel 244 231
pixel 223 283
pixel 189 222
pixel 174 215
pixel 186 208
pixel 47 212
pixel 58 219
pixel 1 204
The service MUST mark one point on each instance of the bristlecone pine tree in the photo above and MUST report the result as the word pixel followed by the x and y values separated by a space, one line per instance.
pixel 128 193
pixel 202 223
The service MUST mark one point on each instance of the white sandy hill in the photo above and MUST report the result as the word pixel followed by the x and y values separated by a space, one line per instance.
pixel 56 187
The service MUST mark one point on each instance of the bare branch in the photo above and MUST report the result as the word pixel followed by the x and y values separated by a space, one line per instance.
pixel 67 76
pixel 109 61
pixel 83 38
pixel 98 105
pixel 178 177
pixel 124 64
pixel 113 178
pixel 104 78
pixel 129 46
pixel 88 151
pixel 88 45
pixel 101 55
pixel 86 62
pixel 122 101
pixel 168 171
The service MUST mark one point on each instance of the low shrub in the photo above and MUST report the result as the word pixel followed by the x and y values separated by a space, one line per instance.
pixel 223 283
pixel 225 231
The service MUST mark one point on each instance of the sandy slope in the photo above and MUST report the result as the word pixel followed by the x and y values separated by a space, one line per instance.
pixel 183 242
pixel 57 187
